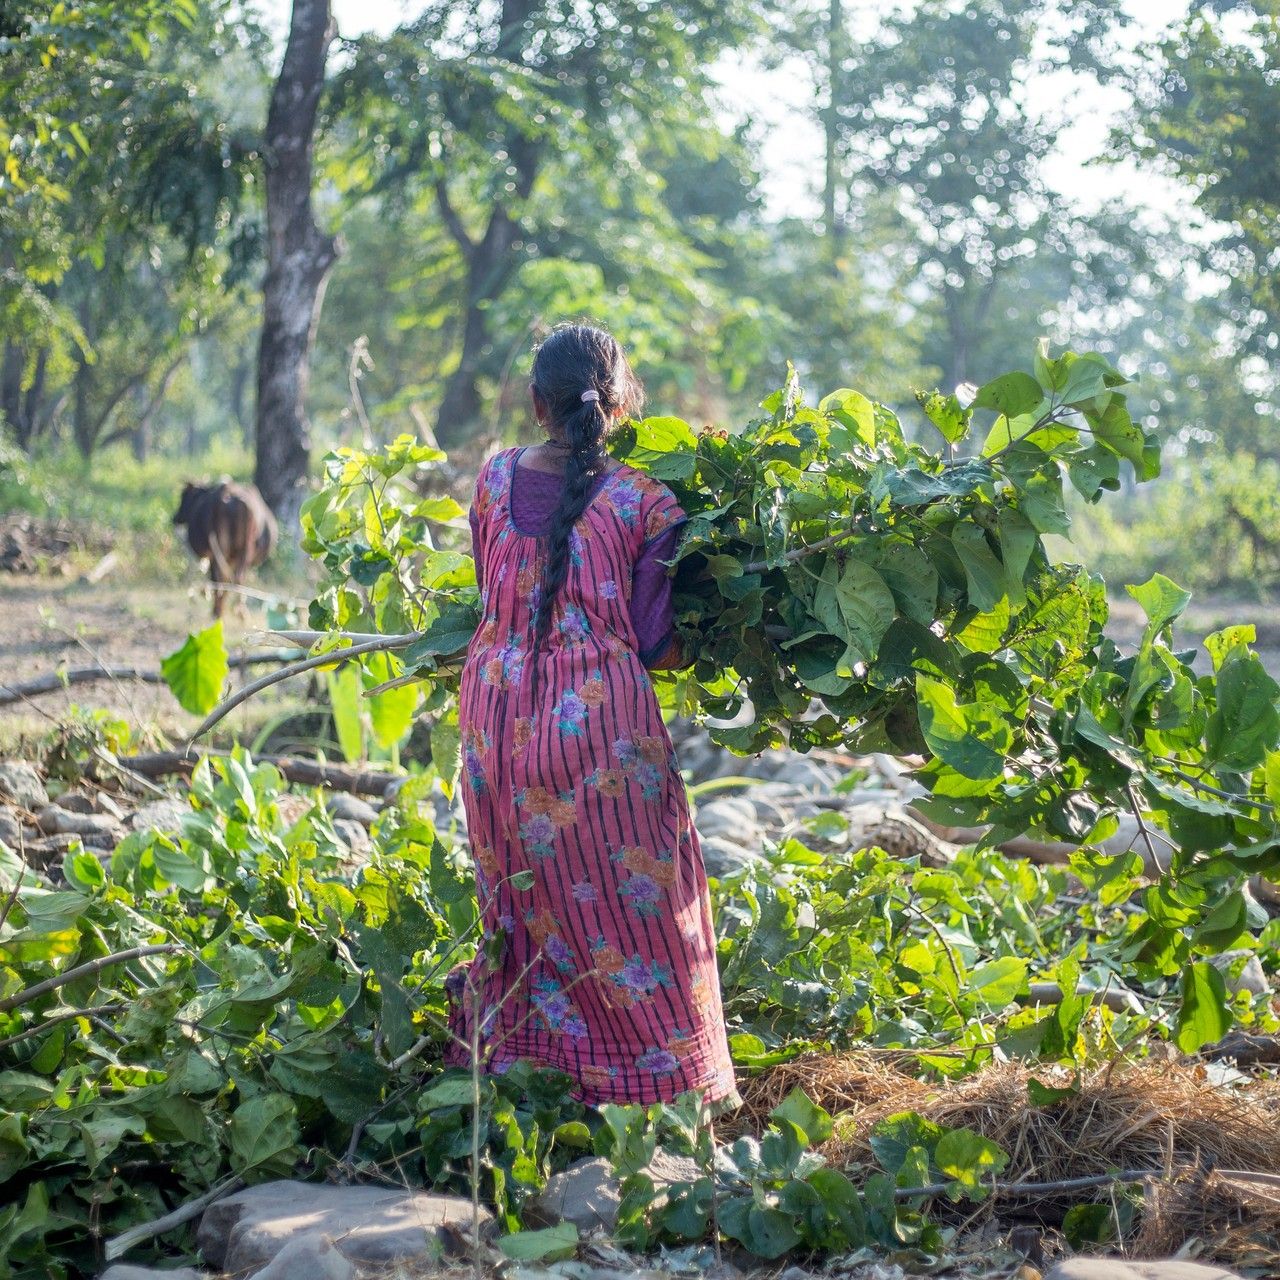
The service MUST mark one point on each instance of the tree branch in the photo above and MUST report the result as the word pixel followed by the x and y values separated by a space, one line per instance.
pixel 83 971
pixel 451 219
pixel 184 1213
pixel 379 644
pixel 56 680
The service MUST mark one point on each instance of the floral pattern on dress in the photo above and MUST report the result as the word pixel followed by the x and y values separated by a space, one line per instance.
pixel 475 746
pixel 559 1014
pixel 645 761
pixel 601 960
pixel 543 816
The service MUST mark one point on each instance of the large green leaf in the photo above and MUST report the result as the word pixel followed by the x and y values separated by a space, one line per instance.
pixel 984 574
pixel 547 1245
pixel 1203 1016
pixel 449 633
pixel 1245 724
pixel 264 1137
pixel 347 706
pixel 972 739
pixel 1011 394
pixel 197 672
pixel 853 410
pixel 968 1159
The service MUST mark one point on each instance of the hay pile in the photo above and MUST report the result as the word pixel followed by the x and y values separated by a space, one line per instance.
pixel 1166 1117
pixel 842 1083
pixel 1137 1117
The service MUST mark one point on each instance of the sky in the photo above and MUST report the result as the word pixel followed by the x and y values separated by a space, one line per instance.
pixel 791 146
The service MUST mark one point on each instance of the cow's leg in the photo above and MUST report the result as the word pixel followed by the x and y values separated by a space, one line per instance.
pixel 215 578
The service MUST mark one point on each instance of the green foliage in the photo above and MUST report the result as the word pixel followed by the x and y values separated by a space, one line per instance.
pixel 260 1034
pixel 1211 115
pixel 849 588
pixel 776 1193
pixel 820 946
pixel 197 672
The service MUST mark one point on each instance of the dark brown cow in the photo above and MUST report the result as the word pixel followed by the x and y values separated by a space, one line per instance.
pixel 229 525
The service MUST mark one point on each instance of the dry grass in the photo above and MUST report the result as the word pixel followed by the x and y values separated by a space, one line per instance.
pixel 1169 1117
pixel 842 1083
pixel 1163 1117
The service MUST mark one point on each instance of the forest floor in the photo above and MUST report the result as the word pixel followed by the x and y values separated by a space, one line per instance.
pixel 49 622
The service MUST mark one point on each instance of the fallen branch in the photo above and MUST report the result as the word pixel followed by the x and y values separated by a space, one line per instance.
pixel 1035 1188
pixel 378 644
pixel 83 971
pixel 184 1213
pixel 56 680
pixel 310 773
pixel 1247 1050
pixel 1093 1180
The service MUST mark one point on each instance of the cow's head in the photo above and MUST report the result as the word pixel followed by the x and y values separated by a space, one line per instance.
pixel 187 503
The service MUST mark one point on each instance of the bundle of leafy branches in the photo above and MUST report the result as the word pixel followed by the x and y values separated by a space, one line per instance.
pixel 840 584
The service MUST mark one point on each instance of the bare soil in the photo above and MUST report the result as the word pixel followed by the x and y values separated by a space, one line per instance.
pixel 47 622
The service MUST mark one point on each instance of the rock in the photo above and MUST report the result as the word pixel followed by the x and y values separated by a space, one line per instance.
pixel 245 1231
pixel 308 1257
pixel 586 1193
pixel 1123 1269
pixel 20 785
pixel 54 820
pixel 290 808
pixel 83 800
pixel 161 815
pixel 725 857
pixel 127 1271
pixel 1250 978
pixel 351 809
pixel 43 852
pixel 353 835
pixel 733 817
pixel 10 827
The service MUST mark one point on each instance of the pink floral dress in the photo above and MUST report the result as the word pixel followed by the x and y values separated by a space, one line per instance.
pixel 604 967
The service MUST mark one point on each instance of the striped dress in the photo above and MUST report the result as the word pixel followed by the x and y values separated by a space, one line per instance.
pixel 598 956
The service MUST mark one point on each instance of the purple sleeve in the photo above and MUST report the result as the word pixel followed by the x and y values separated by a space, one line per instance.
pixel 474 522
pixel 652 612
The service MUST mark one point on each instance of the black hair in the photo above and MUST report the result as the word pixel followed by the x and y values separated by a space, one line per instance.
pixel 575 358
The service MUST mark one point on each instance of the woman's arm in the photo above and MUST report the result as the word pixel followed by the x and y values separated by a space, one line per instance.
pixel 652 611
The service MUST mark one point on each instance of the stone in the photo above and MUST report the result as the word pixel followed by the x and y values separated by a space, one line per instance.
pixel 1124 1269
pixel 351 809
pixel 308 1257
pixel 1251 977
pixel 54 820
pixel 21 785
pixel 84 800
pixel 10 827
pixel 43 852
pixel 726 857
pixel 290 808
pixel 733 817
pixel 161 815
pixel 243 1232
pixel 127 1271
pixel 586 1193
pixel 353 835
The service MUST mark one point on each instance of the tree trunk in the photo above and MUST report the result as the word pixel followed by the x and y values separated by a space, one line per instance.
pixel 299 258
pixel 30 425
pixel 832 224
pixel 490 261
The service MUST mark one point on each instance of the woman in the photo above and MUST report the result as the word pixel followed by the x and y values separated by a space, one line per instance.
pixel 605 966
